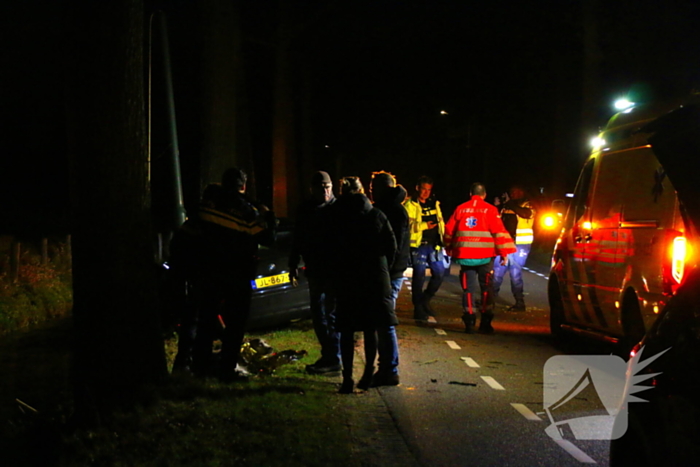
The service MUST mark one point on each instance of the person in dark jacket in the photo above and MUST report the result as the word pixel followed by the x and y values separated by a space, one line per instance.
pixel 364 251
pixel 229 231
pixel 312 242
pixel 388 198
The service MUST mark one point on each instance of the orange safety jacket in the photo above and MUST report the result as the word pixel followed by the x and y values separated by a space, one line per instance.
pixel 475 231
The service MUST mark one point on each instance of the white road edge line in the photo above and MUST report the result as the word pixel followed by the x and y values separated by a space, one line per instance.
pixel 470 362
pixel 493 383
pixel 543 276
pixel 453 345
pixel 440 332
pixel 525 412
pixel 575 452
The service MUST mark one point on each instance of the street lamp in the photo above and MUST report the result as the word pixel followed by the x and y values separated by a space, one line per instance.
pixel 623 104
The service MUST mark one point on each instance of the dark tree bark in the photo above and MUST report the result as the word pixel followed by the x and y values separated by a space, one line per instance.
pixel 119 350
pixel 225 141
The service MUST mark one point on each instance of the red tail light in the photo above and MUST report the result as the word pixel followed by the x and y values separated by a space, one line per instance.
pixel 674 262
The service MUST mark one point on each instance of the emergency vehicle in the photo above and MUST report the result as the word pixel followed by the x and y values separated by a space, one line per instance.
pixel 622 252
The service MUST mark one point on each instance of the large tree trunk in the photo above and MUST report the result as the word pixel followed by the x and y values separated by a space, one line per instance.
pixel 222 119
pixel 119 350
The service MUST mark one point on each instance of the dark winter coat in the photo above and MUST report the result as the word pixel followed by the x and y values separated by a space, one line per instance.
pixel 364 249
pixel 391 204
pixel 313 238
pixel 222 241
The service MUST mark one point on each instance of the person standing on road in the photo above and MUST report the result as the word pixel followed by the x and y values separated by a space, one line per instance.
pixel 312 242
pixel 427 228
pixel 230 230
pixel 388 198
pixel 364 251
pixel 473 236
pixel 518 217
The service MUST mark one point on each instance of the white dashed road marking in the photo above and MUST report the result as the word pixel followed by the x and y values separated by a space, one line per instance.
pixel 575 452
pixel 453 345
pixel 537 274
pixel 440 332
pixel 470 362
pixel 525 412
pixel 493 383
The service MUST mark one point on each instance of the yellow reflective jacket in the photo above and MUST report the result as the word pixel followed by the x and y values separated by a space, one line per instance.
pixel 415 223
pixel 524 234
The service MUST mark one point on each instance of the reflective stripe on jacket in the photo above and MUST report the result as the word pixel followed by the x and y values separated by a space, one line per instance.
pixel 524 234
pixel 415 223
pixel 475 231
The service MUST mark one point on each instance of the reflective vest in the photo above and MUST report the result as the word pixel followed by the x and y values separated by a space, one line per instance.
pixel 476 231
pixel 415 221
pixel 524 234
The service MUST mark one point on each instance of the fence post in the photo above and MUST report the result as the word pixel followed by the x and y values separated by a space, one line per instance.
pixel 44 251
pixel 14 260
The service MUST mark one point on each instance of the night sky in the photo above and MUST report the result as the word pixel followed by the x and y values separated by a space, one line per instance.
pixel 525 85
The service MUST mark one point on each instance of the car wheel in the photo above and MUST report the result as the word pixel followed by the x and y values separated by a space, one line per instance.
pixel 556 307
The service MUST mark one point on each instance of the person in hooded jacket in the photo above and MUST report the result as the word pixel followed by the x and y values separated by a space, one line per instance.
pixel 388 197
pixel 364 252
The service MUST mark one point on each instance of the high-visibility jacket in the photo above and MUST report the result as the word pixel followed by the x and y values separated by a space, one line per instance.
pixel 416 224
pixel 475 231
pixel 525 215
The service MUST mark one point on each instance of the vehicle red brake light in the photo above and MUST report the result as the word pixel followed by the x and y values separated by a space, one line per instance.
pixel 678 259
pixel 674 263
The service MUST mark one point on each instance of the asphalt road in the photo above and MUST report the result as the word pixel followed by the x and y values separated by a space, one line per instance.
pixel 472 399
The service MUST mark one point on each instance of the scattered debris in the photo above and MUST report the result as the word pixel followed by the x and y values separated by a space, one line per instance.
pixel 460 383
pixel 428 362
pixel 260 358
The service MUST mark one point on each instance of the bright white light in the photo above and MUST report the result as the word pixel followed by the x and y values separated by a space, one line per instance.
pixel 569 195
pixel 597 142
pixel 443 112
pixel 623 104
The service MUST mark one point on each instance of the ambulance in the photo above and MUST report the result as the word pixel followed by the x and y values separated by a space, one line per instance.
pixel 622 251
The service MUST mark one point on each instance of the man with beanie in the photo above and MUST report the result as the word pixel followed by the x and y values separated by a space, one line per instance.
pixel 312 242
pixel 473 236
pixel 388 198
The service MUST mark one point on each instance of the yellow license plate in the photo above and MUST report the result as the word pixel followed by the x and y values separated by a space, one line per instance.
pixel 270 281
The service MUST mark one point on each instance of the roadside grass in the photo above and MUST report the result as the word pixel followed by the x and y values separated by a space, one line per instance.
pixel 285 418
pixel 40 292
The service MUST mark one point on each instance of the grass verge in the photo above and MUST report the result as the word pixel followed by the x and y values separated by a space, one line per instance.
pixel 288 418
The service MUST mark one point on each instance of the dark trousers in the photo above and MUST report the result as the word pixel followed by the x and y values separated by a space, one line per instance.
pixel 347 348
pixel 323 316
pixel 470 276
pixel 229 298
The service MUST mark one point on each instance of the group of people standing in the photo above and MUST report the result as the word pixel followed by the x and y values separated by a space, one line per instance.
pixel 354 253
pixel 354 250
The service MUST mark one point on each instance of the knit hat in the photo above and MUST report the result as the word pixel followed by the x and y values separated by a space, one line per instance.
pixel 320 177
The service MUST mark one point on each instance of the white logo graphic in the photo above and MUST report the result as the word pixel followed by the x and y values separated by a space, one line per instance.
pixel 585 394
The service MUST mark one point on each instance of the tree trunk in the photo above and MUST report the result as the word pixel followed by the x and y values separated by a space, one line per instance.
pixel 119 349
pixel 223 145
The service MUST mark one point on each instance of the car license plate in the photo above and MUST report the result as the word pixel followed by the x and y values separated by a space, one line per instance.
pixel 270 281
